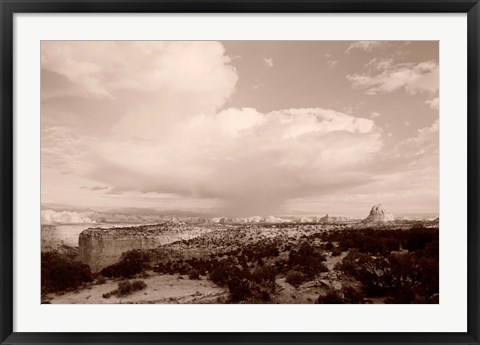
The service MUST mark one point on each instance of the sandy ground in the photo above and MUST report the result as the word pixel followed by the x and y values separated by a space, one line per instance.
pixel 160 289
pixel 305 294
pixel 180 289
pixel 333 260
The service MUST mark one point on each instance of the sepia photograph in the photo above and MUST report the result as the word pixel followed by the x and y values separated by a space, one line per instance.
pixel 239 172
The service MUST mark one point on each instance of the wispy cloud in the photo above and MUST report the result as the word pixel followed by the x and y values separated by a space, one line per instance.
pixel 95 188
pixel 367 46
pixel 332 63
pixel 268 62
pixel 384 77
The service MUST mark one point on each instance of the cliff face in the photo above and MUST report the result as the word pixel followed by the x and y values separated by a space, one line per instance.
pixel 99 248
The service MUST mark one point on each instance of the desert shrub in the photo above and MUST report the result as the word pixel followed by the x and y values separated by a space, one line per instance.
pixel 131 263
pixel 308 260
pixel 126 287
pixel 240 289
pixel 265 274
pixel 295 278
pixel 405 295
pixel 138 285
pixel 373 272
pixel 418 238
pixel 59 273
pixel 402 277
pixel 194 274
pixel 336 251
pixel 100 280
pixel 329 246
pixel 224 270
pixel 265 296
pixel 352 295
pixel 378 241
pixel 332 297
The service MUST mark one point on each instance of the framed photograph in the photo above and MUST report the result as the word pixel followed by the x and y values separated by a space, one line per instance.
pixel 239 172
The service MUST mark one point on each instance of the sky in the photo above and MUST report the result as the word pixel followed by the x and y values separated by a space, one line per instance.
pixel 241 128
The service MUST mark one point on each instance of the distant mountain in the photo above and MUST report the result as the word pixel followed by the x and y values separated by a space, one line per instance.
pixel 333 219
pixel 416 216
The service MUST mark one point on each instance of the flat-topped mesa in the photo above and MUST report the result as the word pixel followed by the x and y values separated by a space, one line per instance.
pixel 99 248
pixel 378 215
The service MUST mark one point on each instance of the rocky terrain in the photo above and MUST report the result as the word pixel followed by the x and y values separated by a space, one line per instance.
pixel 99 247
pixel 329 260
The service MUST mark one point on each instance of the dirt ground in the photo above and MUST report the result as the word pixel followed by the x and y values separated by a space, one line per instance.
pixel 160 289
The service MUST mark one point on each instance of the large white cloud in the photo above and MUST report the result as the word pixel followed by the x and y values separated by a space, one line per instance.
pixel 169 71
pixel 239 155
pixel 171 135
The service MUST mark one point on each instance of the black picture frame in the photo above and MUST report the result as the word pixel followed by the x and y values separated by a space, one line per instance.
pixel 9 8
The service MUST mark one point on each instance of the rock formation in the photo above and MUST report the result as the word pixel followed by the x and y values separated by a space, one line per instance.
pixel 99 248
pixel 378 215
pixel 325 219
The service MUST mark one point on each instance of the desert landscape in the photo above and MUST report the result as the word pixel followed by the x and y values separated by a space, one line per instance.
pixel 240 172
pixel 250 260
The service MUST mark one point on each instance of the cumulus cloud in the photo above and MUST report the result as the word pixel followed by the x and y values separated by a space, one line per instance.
pixel 242 156
pixel 170 133
pixel 169 70
pixel 384 77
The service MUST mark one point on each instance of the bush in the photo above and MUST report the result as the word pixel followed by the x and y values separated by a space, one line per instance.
pixel 194 274
pixel 295 278
pixel 131 263
pixel 332 297
pixel 240 289
pixel 265 274
pixel 101 280
pixel 60 273
pixel 126 288
pixel 352 295
pixel 308 260
pixel 336 251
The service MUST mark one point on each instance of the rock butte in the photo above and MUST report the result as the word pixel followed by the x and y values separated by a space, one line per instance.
pixel 99 248
pixel 378 215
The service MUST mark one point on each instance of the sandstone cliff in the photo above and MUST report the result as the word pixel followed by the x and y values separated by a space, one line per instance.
pixel 99 248
pixel 378 215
